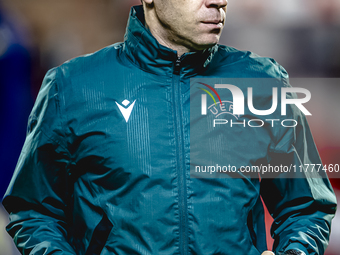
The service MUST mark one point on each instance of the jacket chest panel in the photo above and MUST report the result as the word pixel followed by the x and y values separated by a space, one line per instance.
pixel 126 131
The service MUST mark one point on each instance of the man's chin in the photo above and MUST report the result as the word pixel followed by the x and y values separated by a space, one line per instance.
pixel 208 41
pixel 206 45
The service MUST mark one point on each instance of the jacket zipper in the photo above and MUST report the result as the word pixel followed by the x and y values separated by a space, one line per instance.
pixel 177 68
pixel 181 169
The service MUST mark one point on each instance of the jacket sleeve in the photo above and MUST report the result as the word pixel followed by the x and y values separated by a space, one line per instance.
pixel 302 201
pixel 37 196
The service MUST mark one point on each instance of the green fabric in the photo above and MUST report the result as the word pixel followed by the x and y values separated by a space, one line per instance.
pixel 90 182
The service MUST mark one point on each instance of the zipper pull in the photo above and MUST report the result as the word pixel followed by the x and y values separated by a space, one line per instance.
pixel 177 67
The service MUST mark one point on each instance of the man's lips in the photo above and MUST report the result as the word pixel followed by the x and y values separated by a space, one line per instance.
pixel 216 21
pixel 213 23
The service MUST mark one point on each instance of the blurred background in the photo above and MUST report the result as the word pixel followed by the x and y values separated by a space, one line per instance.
pixel 36 35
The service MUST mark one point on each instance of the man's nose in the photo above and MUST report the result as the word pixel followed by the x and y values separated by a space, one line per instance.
pixel 217 3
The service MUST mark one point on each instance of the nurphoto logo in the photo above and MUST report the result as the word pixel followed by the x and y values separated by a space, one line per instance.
pixel 236 107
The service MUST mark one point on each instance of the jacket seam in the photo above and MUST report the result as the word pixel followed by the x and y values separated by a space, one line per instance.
pixel 59 116
pixel 285 83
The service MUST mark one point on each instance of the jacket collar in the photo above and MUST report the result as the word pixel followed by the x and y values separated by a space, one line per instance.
pixel 145 51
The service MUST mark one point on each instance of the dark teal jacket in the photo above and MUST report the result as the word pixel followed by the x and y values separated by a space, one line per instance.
pixel 90 182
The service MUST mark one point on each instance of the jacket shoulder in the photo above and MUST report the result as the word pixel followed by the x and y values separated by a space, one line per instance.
pixel 252 64
pixel 91 63
pixel 80 81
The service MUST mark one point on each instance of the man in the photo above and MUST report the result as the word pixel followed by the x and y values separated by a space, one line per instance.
pixel 105 166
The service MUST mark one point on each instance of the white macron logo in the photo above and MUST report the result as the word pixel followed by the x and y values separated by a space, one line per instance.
pixel 126 111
